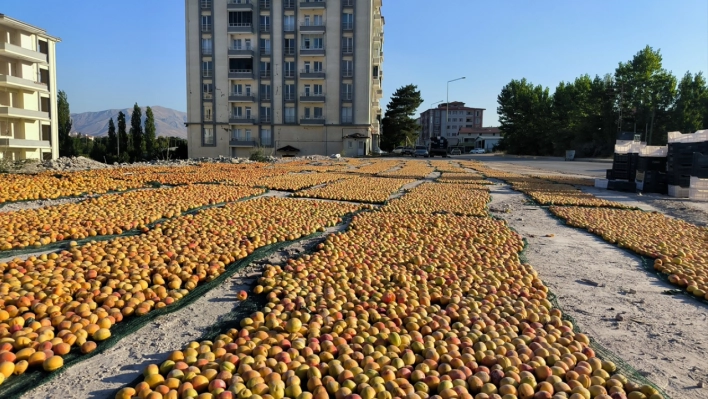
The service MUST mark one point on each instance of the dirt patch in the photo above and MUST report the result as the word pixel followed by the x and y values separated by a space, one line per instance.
pixel 23 205
pixel 662 336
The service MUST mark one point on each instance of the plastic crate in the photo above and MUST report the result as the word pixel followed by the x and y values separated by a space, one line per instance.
pixel 629 148
pixel 653 151
pixel 622 185
pixel 601 183
pixel 640 185
pixel 698 183
pixel 609 174
pixel 678 191
pixel 697 137
pixel 697 195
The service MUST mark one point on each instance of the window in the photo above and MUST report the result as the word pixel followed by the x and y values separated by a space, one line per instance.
pixel 207 91
pixel 348 21
pixel 478 121
pixel 307 90
pixel 347 91
pixel 248 113
pixel 240 19
pixel 289 23
pixel 307 21
pixel 265 114
pixel 247 135
pixel 206 3
pixel 289 114
pixel 266 137
pixel 318 112
pixel 207 69
pixel 310 42
pixel 476 113
pixel 347 68
pixel 265 23
pixel 307 113
pixel 206 46
pixel 347 45
pixel 208 136
pixel 237 90
pixel 318 20
pixel 346 115
pixel 289 46
pixel 206 23
pixel 5 129
pixel 236 134
pixel 265 92
pixel 265 69
pixel 307 66
pixel 289 67
pixel 265 46
pixel 236 44
pixel 318 90
pixel 318 66
pixel 237 112
pixel 248 44
pixel 289 90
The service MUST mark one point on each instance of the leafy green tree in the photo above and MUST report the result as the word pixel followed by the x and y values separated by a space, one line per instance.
pixel 150 145
pixel 525 118
pixel 123 139
pixel 689 110
pixel 136 134
pixel 112 142
pixel 398 122
pixel 66 142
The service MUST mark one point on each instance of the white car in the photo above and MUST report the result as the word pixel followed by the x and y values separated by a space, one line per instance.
pixel 455 151
pixel 478 151
pixel 398 150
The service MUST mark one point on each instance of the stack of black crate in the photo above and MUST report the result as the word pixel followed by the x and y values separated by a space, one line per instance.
pixel 651 174
pixel 680 162
pixel 624 167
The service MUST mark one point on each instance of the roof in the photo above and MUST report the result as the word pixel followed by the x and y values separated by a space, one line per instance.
pixel 479 130
pixel 288 148
pixel 15 23
pixel 357 135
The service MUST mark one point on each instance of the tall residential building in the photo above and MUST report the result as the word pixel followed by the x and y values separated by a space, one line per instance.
pixel 459 116
pixel 28 92
pixel 296 77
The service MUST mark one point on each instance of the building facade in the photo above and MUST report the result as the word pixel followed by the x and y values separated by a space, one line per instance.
pixel 283 74
pixel 469 138
pixel 433 121
pixel 28 92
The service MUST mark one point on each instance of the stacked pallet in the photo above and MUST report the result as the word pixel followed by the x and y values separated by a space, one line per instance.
pixel 683 149
pixel 651 174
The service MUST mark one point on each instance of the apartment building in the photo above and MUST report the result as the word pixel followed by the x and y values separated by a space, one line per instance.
pixel 28 92
pixel 292 77
pixel 458 115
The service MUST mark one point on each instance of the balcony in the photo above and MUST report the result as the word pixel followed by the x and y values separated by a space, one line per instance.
pixel 22 84
pixel 241 120
pixel 312 98
pixel 207 95
pixel 22 143
pixel 312 51
pixel 312 4
pixel 240 74
pixel 289 4
pixel 206 27
pixel 348 50
pixel 241 52
pixel 317 121
pixel 265 74
pixel 240 5
pixel 311 28
pixel 264 4
pixel 242 142
pixel 240 27
pixel 241 98
pixel 20 113
pixel 309 74
pixel 265 51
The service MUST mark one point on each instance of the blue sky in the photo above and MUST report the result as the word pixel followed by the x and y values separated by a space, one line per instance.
pixel 116 53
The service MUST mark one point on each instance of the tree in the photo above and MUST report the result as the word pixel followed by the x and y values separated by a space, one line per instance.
pixel 398 123
pixel 124 148
pixel 525 118
pixel 689 108
pixel 136 133
pixel 66 142
pixel 150 147
pixel 112 144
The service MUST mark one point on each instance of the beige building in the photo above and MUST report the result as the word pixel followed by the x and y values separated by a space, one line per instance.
pixel 300 76
pixel 28 92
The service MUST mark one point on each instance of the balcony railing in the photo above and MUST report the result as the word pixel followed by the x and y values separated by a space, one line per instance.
pixel 207 73
pixel 242 142
pixel 242 27
pixel 290 119
pixel 311 27
pixel 240 5
pixel 266 141
pixel 312 121
pixel 289 74
pixel 246 51
pixel 265 97
pixel 207 96
pixel 206 27
pixel 310 74
pixel 347 73
pixel 265 119
pixel 289 28
pixel 264 4
pixel 348 26
pixel 289 4
pixel 240 97
pixel 289 96
pixel 312 4
pixel 312 97
pixel 347 49
pixel 207 51
pixel 205 4
pixel 347 96
pixel 289 51
pixel 265 74
pixel 240 74
pixel 265 51
pixel 243 120
pixel 312 51
pixel 264 28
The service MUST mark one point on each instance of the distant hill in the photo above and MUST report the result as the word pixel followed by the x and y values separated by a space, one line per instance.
pixel 168 122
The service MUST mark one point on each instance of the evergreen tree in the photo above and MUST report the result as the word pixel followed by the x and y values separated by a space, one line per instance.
pixel 136 134
pixel 150 145
pixel 398 122
pixel 112 146
pixel 123 146
pixel 66 142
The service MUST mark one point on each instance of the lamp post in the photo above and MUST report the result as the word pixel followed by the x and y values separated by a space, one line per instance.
pixel 447 105
pixel 430 124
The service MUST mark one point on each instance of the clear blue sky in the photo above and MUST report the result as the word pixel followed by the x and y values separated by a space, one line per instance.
pixel 116 53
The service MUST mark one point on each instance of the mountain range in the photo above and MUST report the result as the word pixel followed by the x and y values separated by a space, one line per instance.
pixel 168 122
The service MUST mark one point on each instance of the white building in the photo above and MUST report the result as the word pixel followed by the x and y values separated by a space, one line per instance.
pixel 28 92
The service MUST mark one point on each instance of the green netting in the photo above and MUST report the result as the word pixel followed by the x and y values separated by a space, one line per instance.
pixel 64 244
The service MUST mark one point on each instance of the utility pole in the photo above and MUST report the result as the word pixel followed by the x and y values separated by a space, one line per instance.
pixel 447 105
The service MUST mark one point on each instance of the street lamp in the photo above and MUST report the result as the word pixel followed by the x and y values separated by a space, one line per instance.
pixel 430 123
pixel 447 105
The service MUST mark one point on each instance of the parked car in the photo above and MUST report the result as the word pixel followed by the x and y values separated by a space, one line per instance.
pixel 455 151
pixel 398 150
pixel 420 151
pixel 478 151
pixel 408 150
